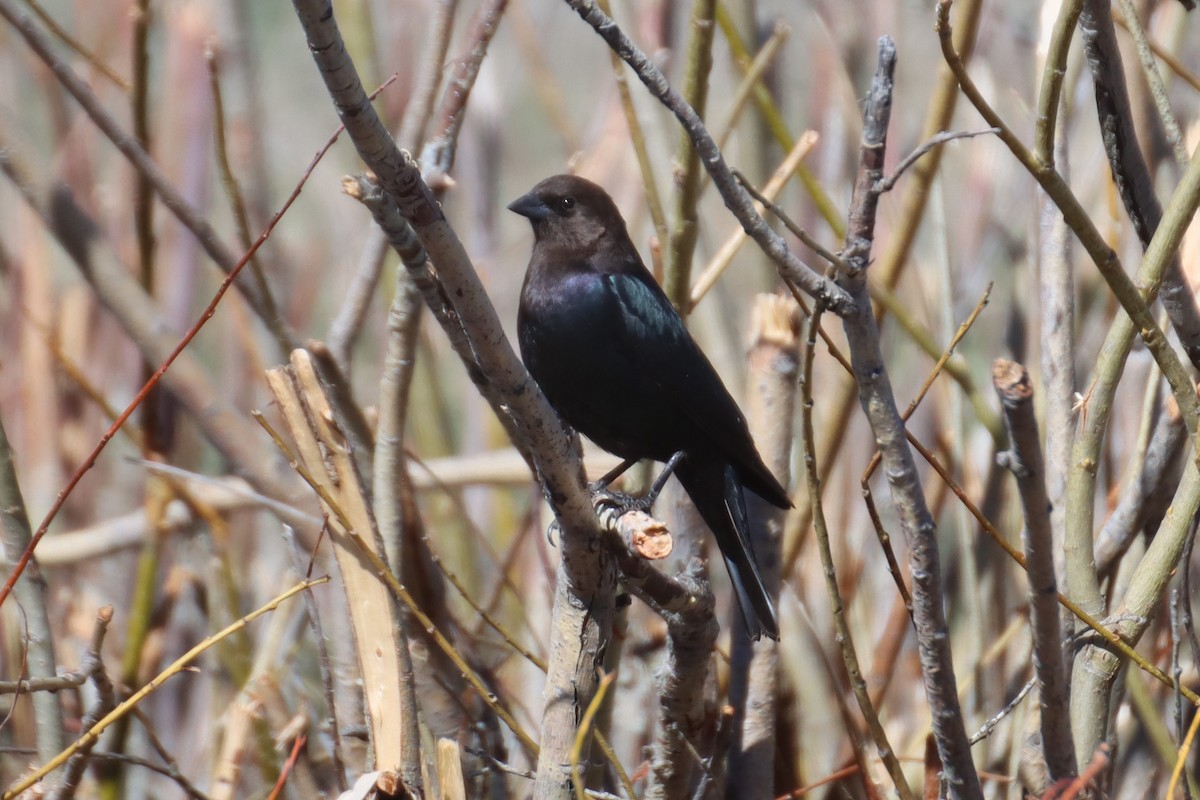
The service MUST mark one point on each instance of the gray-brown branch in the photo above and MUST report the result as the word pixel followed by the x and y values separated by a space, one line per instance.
pixel 1130 171
pixel 879 404
pixel 1015 390
pixel 585 597
pixel 735 196
pixel 31 593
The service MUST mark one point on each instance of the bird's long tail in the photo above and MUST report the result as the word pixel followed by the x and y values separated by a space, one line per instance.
pixel 718 495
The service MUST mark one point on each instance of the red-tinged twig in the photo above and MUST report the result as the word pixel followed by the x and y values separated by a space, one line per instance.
pixel 933 770
pixel 1069 790
pixel 297 746
pixel 844 772
pixel 208 313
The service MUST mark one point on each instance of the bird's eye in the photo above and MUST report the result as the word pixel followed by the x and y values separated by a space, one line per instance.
pixel 566 205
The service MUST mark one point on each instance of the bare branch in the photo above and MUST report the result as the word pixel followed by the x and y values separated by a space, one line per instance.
pixel 584 606
pixel 31 594
pixel 735 197
pixel 191 218
pixel 1025 461
pixel 879 404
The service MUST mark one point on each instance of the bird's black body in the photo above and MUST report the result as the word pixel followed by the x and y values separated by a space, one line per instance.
pixel 616 361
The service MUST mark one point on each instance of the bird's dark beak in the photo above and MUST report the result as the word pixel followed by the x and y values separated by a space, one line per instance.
pixel 531 206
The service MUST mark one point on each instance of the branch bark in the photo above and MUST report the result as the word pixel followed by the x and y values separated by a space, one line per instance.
pixel 879 404
pixel 1025 461
pixel 736 198
pixel 30 594
pixel 585 599
pixel 1130 171
pixel 770 410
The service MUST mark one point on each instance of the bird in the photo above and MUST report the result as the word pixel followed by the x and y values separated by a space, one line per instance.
pixel 616 362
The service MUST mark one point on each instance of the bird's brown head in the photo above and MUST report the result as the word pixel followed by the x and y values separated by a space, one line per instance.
pixel 572 213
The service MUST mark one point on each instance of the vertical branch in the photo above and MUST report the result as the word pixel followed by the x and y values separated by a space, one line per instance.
pixel 327 455
pixel 438 154
pixel 155 416
pixel 420 108
pixel 143 198
pixel 645 164
pixel 229 182
pixel 879 404
pixel 678 273
pixel 1129 168
pixel 31 595
pixel 770 410
pixel 1056 301
pixel 894 257
pixel 394 502
pixel 1025 461
pixel 681 705
pixel 104 702
pixel 1158 90
pixel 837 607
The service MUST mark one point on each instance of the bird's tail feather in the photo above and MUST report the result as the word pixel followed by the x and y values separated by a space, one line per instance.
pixel 718 495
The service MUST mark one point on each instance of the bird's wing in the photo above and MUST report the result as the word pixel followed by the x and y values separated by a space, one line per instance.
pixel 653 337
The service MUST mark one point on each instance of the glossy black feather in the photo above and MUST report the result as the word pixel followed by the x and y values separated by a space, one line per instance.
pixel 618 364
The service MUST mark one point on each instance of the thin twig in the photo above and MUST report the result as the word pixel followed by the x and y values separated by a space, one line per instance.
pixel 888 183
pixel 841 625
pixel 677 274
pixel 384 574
pixel 93 665
pixel 725 255
pixel 174 353
pixel 645 165
pixel 73 43
pixel 879 404
pixel 32 594
pixel 735 197
pixel 986 729
pixel 93 733
pixel 191 218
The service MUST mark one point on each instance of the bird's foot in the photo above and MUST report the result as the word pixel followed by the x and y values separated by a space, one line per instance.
pixel 618 501
pixel 603 496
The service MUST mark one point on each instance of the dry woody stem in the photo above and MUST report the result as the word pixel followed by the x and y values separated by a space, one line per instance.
pixel 1025 461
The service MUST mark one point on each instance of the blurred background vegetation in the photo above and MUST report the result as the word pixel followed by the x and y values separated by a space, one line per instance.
pixel 545 102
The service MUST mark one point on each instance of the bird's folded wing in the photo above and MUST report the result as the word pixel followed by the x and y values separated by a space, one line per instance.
pixel 652 336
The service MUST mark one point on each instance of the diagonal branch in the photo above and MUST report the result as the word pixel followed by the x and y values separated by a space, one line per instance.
pixel 127 143
pixel 736 198
pixel 586 591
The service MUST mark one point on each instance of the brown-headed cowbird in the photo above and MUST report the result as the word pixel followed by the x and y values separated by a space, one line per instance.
pixel 616 361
